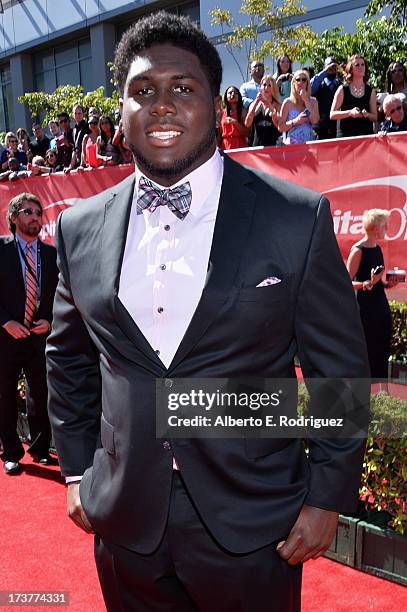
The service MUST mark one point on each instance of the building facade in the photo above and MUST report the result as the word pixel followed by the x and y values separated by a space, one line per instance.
pixel 47 43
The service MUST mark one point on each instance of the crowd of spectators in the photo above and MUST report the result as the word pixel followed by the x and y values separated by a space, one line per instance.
pixel 288 107
pixel 293 107
pixel 74 143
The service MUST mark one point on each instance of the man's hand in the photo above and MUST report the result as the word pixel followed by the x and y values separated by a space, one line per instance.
pixel 40 327
pixel 74 508
pixel 311 535
pixel 16 330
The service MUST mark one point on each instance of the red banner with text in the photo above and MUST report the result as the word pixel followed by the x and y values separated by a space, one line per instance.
pixel 354 173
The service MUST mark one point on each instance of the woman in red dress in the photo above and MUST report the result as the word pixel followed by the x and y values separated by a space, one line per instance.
pixel 233 130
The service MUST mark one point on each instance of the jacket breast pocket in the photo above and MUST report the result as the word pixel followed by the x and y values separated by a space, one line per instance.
pixel 107 436
pixel 278 292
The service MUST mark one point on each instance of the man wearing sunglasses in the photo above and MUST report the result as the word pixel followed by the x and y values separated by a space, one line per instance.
pixel 396 117
pixel 65 142
pixel 28 279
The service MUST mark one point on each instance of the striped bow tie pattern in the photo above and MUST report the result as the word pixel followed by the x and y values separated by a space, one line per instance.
pixel 178 199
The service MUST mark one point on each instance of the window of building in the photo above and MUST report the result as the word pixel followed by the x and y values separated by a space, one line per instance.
pixel 69 64
pixel 6 100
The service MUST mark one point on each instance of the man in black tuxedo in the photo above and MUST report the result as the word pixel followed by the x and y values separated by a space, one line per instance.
pixel 28 279
pixel 228 274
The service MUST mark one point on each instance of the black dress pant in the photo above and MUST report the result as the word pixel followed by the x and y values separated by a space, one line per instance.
pixel 189 571
pixel 27 355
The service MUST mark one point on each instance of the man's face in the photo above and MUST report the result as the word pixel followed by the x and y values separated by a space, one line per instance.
pixel 331 71
pixel 28 226
pixel 54 128
pixel 168 113
pixel 257 71
pixel 78 114
pixel 38 132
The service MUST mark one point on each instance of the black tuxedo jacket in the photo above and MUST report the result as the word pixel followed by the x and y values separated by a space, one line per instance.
pixel 102 370
pixel 12 290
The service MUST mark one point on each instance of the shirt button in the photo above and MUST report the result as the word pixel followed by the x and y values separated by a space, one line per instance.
pixel 168 383
pixel 166 445
pixel 157 352
pixel 160 309
pixel 163 267
pixel 167 228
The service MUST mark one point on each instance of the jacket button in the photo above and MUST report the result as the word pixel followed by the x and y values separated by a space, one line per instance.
pixel 166 445
pixel 168 383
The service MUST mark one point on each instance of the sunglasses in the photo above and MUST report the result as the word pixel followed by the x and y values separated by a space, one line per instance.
pixel 400 69
pixel 31 211
pixel 301 79
pixel 11 140
pixel 63 121
pixel 394 110
pixel 51 155
pixel 359 65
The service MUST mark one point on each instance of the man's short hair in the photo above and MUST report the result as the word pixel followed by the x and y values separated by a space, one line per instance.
pixel 63 115
pixel 15 204
pixel 166 28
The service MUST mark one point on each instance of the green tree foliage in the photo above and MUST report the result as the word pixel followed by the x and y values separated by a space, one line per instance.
pixel 380 40
pixel 398 9
pixel 63 99
pixel 263 16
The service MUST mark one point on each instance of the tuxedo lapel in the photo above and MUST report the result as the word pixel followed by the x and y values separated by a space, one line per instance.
pixel 113 242
pixel 233 221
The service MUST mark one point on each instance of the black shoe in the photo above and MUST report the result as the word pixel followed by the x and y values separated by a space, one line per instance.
pixel 45 460
pixel 11 467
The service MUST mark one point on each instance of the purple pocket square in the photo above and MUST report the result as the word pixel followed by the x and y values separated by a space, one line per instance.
pixel 270 280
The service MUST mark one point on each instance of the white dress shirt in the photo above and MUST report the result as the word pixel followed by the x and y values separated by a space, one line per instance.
pixel 165 262
pixel 166 259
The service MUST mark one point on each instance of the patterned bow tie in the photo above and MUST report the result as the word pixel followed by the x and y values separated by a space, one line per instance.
pixel 178 199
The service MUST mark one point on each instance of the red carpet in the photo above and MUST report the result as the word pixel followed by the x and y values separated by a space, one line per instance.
pixel 40 549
